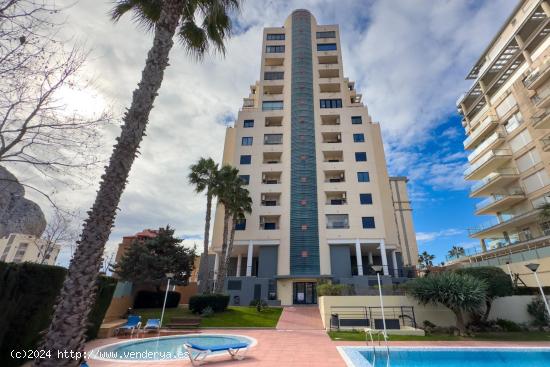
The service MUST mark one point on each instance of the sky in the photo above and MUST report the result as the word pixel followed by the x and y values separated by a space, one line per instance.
pixel 408 58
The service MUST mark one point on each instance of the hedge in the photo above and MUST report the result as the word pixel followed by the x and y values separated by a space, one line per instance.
pixel 28 293
pixel 152 299
pixel 218 302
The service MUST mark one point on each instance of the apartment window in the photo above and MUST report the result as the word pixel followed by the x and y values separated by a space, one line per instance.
pixel 273 139
pixel 274 49
pixel 365 199
pixel 240 225
pixel 247 140
pixel 274 75
pixel 326 34
pixel 272 105
pixel 360 156
pixel 513 122
pixel 326 47
pixel 245 179
pixel 275 36
pixel 358 138
pixel 368 222
pixel 356 120
pixel 545 227
pixel 246 159
pixel 363 177
pixel 335 221
pixel 248 123
pixel 331 103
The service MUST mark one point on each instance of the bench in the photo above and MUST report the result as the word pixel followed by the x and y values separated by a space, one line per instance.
pixel 183 322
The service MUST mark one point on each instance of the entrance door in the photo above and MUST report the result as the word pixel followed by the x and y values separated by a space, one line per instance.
pixel 305 293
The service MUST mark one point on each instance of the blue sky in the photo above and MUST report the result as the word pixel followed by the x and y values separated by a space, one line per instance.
pixel 408 59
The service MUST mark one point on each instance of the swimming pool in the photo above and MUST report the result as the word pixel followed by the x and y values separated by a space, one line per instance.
pixel 448 357
pixel 162 348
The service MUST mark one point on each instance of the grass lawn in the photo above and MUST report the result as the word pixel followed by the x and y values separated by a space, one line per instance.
pixel 496 336
pixel 235 316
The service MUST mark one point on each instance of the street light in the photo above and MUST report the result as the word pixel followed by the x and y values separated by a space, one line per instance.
pixel 378 269
pixel 169 276
pixel 533 267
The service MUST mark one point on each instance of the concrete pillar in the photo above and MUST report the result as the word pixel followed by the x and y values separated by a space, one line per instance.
pixel 546 8
pixel 371 261
pixel 216 264
pixel 249 259
pixel 484 91
pixel 239 261
pixel 394 264
pixel 525 53
pixel 483 245
pixel 359 257
pixel 383 255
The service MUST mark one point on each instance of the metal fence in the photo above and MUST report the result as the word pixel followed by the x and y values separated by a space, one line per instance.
pixel 397 317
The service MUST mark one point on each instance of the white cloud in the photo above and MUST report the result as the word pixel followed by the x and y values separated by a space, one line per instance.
pixel 431 236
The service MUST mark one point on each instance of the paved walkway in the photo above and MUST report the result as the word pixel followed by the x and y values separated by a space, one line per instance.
pixel 300 318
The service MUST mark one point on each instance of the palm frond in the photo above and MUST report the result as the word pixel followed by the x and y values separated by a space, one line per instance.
pixel 145 13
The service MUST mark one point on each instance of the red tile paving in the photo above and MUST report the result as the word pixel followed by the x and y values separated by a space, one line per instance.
pixel 300 318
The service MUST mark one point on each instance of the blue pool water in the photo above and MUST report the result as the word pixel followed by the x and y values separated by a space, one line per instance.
pixel 459 357
pixel 163 348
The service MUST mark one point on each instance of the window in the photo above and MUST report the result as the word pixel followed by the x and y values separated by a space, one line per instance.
pixel 274 49
pixel 545 227
pixel 240 225
pixel 245 179
pixel 368 222
pixel 248 123
pixel 506 105
pixel 363 177
pixel 513 122
pixel 335 221
pixel 326 47
pixel 358 138
pixel 331 103
pixel 365 199
pixel 360 156
pixel 274 75
pixel 356 120
pixel 326 34
pixel 275 36
pixel 272 105
pixel 273 139
pixel 246 159
pixel 247 140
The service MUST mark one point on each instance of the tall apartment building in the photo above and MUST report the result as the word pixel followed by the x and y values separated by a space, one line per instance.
pixel 18 248
pixel 507 122
pixel 313 161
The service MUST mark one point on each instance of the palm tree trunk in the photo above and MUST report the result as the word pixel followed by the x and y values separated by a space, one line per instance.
pixel 206 279
pixel 460 325
pixel 69 323
pixel 222 274
pixel 221 264
pixel 488 304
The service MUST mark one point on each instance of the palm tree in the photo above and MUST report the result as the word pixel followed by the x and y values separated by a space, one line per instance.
pixel 456 252
pixel 425 260
pixel 461 293
pixel 165 19
pixel 204 176
pixel 238 205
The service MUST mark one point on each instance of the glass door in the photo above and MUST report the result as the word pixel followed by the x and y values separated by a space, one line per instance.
pixel 305 293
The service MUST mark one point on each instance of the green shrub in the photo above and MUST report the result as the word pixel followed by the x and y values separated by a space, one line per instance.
pixel 28 293
pixel 537 309
pixel 508 325
pixel 329 289
pixel 153 299
pixel 260 304
pixel 218 302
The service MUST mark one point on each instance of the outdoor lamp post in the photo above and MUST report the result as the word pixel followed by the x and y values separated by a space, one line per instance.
pixel 378 269
pixel 533 267
pixel 169 276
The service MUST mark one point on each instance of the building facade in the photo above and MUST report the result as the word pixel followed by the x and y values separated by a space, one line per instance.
pixel 18 248
pixel 506 117
pixel 324 206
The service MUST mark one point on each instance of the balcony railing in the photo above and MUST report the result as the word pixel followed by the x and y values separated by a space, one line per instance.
pixel 531 79
pixel 493 176
pixel 496 198
pixel 483 126
pixel 481 147
pixel 486 158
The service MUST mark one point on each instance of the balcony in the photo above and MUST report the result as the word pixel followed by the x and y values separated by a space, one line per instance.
pixel 269 222
pixel 329 71
pixel 272 157
pixel 545 143
pixel 333 156
pixel 273 139
pixel 541 120
pixel 481 131
pixel 494 181
pixel 538 76
pixel 336 198
pixel 542 98
pixel 491 142
pixel 488 163
pixel 273 90
pixel 271 178
pixel 331 120
pixel 274 121
pixel 334 176
pixel 499 202
pixel 337 221
pixel 496 226
pixel 332 138
pixel 271 199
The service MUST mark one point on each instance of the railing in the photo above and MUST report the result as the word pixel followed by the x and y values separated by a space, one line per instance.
pixel 482 126
pixel 490 140
pixel 487 157
pixel 539 117
pixel 495 222
pixel 497 197
pixel 397 317
pixel 493 176
pixel 535 74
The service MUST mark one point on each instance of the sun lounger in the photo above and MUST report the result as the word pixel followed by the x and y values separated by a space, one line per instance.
pixel 197 353
pixel 133 323
pixel 152 325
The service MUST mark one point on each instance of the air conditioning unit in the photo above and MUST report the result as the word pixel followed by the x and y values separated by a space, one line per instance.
pixel 264 176
pixel 338 121
pixel 341 175
pixel 339 137
pixel 343 195
pixel 263 196
pixel 262 221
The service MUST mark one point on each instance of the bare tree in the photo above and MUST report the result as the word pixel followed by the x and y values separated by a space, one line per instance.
pixel 37 73
pixel 61 231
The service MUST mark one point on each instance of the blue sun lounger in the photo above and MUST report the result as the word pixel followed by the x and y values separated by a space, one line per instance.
pixel 152 325
pixel 133 323
pixel 201 352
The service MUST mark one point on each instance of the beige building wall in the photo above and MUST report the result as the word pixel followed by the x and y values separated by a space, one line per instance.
pixel 507 123
pixel 19 248
pixel 335 155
